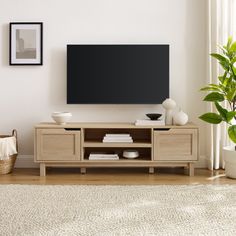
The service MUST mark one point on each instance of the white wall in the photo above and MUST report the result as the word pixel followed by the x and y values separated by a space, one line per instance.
pixel 28 94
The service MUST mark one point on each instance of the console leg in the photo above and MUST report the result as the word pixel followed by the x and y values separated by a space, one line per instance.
pixel 42 169
pixel 83 170
pixel 191 169
pixel 151 170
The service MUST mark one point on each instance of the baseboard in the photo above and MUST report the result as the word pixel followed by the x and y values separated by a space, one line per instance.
pixel 27 161
pixel 202 163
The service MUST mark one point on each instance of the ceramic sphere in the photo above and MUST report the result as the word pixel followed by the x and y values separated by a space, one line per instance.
pixel 180 118
pixel 169 104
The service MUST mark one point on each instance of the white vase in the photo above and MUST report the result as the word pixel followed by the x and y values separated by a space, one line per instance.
pixel 180 118
pixel 169 105
pixel 230 161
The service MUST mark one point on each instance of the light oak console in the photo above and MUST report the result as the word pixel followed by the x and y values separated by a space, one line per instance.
pixel 69 145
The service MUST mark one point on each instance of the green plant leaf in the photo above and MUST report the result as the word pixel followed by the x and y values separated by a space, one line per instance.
pixel 210 89
pixel 230 115
pixel 222 79
pixel 224 49
pixel 219 57
pixel 232 133
pixel 234 69
pixel 233 47
pixel 214 97
pixel 223 112
pixel 233 60
pixel 214 85
pixel 227 80
pixel 231 94
pixel 230 39
pixel 225 65
pixel 212 118
pixel 222 87
pixel 223 61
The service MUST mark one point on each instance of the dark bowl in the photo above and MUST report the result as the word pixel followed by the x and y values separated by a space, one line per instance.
pixel 153 116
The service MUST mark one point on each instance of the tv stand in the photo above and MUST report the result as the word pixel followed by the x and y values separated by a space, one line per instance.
pixel 69 145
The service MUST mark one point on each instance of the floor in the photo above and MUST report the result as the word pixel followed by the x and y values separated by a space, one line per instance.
pixel 118 176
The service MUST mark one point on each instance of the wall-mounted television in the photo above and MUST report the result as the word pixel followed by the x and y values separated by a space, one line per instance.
pixel 117 74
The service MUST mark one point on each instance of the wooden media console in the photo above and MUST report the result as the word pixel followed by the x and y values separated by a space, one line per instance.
pixel 71 144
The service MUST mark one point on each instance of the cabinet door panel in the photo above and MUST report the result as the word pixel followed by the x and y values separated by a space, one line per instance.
pixel 176 145
pixel 58 145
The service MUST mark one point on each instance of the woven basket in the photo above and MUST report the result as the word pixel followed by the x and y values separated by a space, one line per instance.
pixel 6 166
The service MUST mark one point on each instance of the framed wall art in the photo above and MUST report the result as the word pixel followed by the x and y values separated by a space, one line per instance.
pixel 26 43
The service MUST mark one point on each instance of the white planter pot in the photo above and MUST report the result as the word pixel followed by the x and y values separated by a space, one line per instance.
pixel 230 161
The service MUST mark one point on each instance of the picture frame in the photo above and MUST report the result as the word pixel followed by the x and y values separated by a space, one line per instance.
pixel 26 43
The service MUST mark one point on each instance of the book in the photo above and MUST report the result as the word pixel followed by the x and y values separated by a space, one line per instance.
pixel 117 135
pixel 149 122
pixel 103 157
pixel 117 140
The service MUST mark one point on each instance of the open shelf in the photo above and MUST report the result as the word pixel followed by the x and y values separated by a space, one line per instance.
pixel 95 135
pixel 144 154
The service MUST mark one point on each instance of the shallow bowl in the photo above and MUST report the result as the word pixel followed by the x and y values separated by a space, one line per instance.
pixel 153 116
pixel 61 118
pixel 130 154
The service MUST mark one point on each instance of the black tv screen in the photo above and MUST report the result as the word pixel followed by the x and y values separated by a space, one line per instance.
pixel 117 74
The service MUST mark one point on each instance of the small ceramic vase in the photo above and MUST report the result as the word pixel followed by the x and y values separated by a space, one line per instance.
pixel 169 105
pixel 180 118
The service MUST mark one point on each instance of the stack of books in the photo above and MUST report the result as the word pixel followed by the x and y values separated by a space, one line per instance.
pixel 117 138
pixel 103 157
pixel 150 122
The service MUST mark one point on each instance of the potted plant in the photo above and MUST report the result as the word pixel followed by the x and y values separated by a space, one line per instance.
pixel 225 90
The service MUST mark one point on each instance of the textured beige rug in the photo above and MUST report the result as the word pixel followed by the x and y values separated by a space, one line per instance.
pixel 118 210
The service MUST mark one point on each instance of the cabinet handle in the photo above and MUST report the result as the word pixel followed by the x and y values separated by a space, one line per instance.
pixel 162 129
pixel 72 129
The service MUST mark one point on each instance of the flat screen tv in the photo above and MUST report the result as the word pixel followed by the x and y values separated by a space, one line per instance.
pixel 117 74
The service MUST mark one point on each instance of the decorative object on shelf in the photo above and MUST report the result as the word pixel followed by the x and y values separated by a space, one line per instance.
pixel 61 118
pixel 130 154
pixel 26 43
pixel 103 157
pixel 153 116
pixel 180 118
pixel 8 152
pixel 169 105
pixel 224 91
pixel 117 138
pixel 149 122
